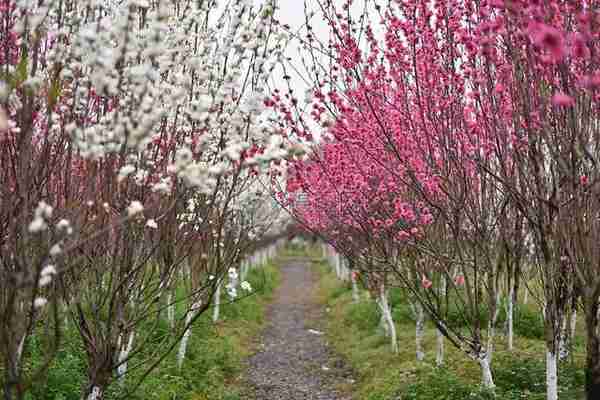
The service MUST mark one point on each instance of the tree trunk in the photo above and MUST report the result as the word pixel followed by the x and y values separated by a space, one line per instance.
pixel 510 319
pixel 487 381
pixel 186 335
pixel 592 367
pixel 170 311
pixel 439 356
pixel 386 313
pixel 573 323
pixel 419 329
pixel 217 303
pixel 11 383
pixel 123 354
pixel 95 393
pixel 551 375
pixel 355 294
pixel 492 329
pixel 563 345
pixel 98 380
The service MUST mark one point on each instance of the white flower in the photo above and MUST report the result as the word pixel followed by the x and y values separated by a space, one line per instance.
pixel 40 302
pixel 246 286
pixel 55 250
pixel 45 280
pixel 134 208
pixel 42 212
pixel 233 273
pixel 211 277
pixel 37 225
pixel 152 224
pixel 48 270
pixel 231 291
pixel 163 186
pixel 64 225
pixel 125 171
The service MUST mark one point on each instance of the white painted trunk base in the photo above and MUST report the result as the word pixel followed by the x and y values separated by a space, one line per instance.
pixel 573 323
pixel 419 329
pixel 95 394
pixel 386 313
pixel 563 343
pixel 217 302
pixel 355 294
pixel 123 354
pixel 487 381
pixel 439 354
pixel 186 335
pixel 20 350
pixel 551 376
pixel 510 319
pixel 490 343
pixel 170 310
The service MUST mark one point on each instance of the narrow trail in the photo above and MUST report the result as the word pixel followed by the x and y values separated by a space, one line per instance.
pixel 295 361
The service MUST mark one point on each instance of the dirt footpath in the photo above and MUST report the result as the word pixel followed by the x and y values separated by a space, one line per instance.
pixel 294 361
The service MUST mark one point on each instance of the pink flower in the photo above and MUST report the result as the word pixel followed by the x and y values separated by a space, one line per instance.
pixel 426 282
pixel 549 38
pixel 579 48
pixel 592 81
pixel 459 280
pixel 583 179
pixel 561 99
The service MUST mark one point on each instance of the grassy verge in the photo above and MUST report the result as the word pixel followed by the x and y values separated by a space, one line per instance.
pixel 382 375
pixel 213 364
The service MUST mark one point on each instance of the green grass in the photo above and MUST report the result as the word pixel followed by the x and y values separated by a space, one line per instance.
pixel 382 375
pixel 303 249
pixel 213 364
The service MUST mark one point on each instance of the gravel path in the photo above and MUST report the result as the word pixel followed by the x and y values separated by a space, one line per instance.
pixel 294 362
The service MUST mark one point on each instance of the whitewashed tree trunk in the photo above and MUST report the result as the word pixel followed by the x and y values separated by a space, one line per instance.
pixel 123 354
pixel 487 381
pixel 387 314
pixel 217 302
pixel 490 342
pixel 551 376
pixel 170 310
pixel 563 344
pixel 439 353
pixel 20 350
pixel 244 271
pixel 526 296
pixel 383 324
pixel 188 332
pixel 355 294
pixel 492 331
pixel 573 323
pixel 342 268
pixel 95 394
pixel 510 318
pixel 419 329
